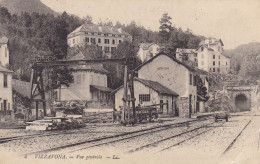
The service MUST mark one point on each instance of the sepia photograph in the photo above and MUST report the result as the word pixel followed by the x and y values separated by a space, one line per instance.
pixel 130 81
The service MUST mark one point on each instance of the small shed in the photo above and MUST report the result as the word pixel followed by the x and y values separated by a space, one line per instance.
pixel 149 92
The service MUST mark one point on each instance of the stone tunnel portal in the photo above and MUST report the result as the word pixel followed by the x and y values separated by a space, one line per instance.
pixel 241 103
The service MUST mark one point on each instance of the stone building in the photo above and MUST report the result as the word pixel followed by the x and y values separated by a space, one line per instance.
pixel 172 74
pixel 6 99
pixel 211 57
pixel 106 37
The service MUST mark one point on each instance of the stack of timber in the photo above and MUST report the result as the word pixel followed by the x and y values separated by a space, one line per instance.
pixel 55 123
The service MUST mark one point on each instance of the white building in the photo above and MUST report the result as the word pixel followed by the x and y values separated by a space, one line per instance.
pixel 211 57
pixel 106 37
pixel 149 92
pixel 172 74
pixel 6 99
pixel 147 51
pixel 187 55
pixel 90 85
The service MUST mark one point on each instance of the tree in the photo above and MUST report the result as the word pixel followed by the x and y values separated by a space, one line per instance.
pixel 165 28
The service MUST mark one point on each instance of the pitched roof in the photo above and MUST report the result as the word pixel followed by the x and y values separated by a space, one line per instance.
pixel 153 85
pixel 215 41
pixel 171 57
pixel 101 88
pixel 79 56
pixel 186 50
pixel 99 29
pixel 145 46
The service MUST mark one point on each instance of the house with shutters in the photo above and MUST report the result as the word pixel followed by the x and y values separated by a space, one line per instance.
pixel 106 37
pixel 90 85
pixel 164 79
pixel 6 99
pixel 211 57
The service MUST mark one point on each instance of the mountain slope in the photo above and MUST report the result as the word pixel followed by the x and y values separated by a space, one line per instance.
pixel 18 6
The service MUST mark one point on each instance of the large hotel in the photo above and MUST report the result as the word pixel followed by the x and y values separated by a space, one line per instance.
pixel 106 37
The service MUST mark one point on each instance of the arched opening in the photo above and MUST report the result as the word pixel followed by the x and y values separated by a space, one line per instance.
pixel 241 103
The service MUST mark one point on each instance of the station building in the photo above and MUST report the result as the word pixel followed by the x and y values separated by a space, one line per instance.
pixel 166 72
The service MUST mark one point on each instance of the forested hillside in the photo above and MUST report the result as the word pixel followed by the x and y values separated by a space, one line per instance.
pixel 30 6
pixel 33 34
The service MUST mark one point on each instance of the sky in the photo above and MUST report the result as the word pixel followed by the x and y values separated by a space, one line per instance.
pixel 234 21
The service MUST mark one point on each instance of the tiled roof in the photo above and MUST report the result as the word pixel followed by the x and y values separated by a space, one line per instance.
pixel 215 41
pixel 99 29
pixel 80 56
pixel 157 87
pixel 153 85
pixel 145 46
pixel 101 88
pixel 184 50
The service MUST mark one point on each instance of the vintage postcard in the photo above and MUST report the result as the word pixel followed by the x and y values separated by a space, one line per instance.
pixel 127 81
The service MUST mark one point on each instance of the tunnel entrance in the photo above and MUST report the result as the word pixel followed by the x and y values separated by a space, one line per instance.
pixel 241 103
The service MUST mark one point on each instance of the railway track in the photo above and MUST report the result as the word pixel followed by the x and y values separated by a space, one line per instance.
pixel 236 138
pixel 112 139
pixel 153 144
pixel 46 134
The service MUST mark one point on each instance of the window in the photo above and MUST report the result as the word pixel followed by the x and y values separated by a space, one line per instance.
pixel 106 49
pixel 202 56
pixel 78 81
pixel 87 40
pixel 106 41
pixel 113 41
pixel 5 81
pixel 5 52
pixel 98 80
pixel 213 69
pixel 5 104
pixel 213 56
pixel 105 34
pixel 194 81
pixel 219 63
pixel 113 49
pixel 209 69
pixel 202 48
pixel 226 63
pixel 99 40
pixel 91 79
pixel 202 62
pixel 93 40
pixel 120 41
pixel 119 35
pixel 190 79
pixel 99 33
pixel 86 32
pixel 93 33
pixel 144 97
pixel 113 35
pixel 218 69
pixel 213 62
